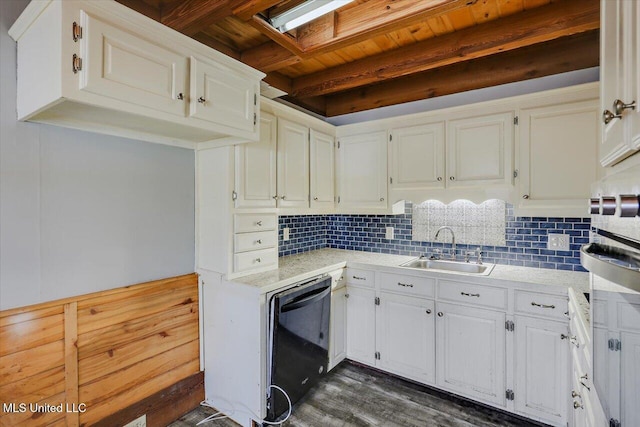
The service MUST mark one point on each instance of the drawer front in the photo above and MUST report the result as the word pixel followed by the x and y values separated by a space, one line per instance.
pixel 356 276
pixel 411 285
pixel 543 305
pixel 246 223
pixel 254 241
pixel 252 260
pixel 487 296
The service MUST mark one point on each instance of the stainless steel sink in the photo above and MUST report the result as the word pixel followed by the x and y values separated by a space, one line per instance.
pixel 450 266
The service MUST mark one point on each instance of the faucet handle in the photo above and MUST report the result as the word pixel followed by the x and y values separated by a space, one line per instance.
pixel 480 253
pixel 436 253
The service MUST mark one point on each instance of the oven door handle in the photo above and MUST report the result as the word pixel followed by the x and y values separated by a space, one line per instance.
pixel 306 300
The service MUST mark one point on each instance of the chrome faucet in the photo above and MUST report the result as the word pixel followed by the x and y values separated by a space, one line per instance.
pixel 453 239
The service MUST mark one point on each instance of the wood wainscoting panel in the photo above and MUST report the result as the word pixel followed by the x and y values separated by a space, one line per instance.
pixel 110 351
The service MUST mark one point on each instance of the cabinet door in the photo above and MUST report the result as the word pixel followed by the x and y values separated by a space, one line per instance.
pixel 613 59
pixel 632 94
pixel 405 336
pixel 126 67
pixel 630 379
pixel 293 165
pixel 222 96
pixel 338 327
pixel 362 165
pixel 541 369
pixel 322 170
pixel 256 168
pixel 470 345
pixel 361 320
pixel 480 150
pixel 558 157
pixel 417 157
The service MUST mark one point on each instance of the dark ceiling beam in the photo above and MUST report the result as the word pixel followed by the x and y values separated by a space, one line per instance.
pixel 559 19
pixel 553 57
pixel 192 16
pixel 316 104
pixel 269 56
pixel 279 81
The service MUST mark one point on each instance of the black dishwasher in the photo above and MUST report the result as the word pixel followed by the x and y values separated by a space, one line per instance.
pixel 298 342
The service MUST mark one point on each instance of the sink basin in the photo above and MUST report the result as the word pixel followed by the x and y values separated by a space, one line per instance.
pixel 450 266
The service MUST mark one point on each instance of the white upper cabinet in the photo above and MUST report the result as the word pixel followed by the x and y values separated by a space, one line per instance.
pixel 620 79
pixel 417 157
pixel 293 164
pixel 362 171
pixel 219 95
pixel 558 158
pixel 480 150
pixel 102 67
pixel 255 171
pixel 322 170
pixel 120 65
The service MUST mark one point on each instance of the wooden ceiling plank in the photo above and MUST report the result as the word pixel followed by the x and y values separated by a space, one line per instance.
pixel 279 81
pixel 484 11
pixel 373 18
pixel 192 16
pixel 269 57
pixel 509 7
pixel 317 104
pixel 217 45
pixel 524 29
pixel 246 9
pixel 557 56
pixel 283 39
pixel 142 7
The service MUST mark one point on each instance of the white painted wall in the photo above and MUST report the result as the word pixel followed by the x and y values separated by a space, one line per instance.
pixel 83 212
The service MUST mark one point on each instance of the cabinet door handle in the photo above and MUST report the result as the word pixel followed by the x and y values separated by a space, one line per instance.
pixel 439 178
pixel 201 100
pixel 259 223
pixel 180 96
pixel 315 198
pixel 619 106
pixel 469 295
pixel 575 394
pixel 382 199
pixel 535 304
pixel 283 197
pixel 577 405
pixel 258 242
pixel 564 336
pixel 258 260
pixel 525 196
pixel 607 116
pixel 428 311
pixel 275 197
pixel 405 285
pixel 346 295
pixel 452 178
pixel 359 278
pixel 440 314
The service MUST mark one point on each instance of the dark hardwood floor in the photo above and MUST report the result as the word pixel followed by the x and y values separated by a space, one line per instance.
pixel 353 395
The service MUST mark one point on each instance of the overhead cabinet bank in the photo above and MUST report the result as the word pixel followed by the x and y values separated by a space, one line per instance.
pixel 100 66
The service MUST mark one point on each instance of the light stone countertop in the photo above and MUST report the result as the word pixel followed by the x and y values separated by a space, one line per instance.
pixel 307 264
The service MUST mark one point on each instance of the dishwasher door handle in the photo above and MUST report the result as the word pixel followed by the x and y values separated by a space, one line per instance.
pixel 306 300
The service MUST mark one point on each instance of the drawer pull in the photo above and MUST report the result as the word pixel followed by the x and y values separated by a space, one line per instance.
pixel 564 336
pixel 575 394
pixel 258 260
pixel 428 311
pixel 535 304
pixel 440 314
pixel 258 242
pixel 577 405
pixel 406 285
pixel 359 278
pixel 469 295
pixel 259 223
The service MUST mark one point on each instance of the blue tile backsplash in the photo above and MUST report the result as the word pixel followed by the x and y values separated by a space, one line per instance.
pixel 526 238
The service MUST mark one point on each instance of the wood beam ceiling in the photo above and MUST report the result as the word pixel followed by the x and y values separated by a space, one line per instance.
pixel 342 28
pixel 553 57
pixel 539 25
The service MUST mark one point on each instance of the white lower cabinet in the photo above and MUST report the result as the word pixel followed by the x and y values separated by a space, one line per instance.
pixel 405 336
pixel 361 320
pixel 630 380
pixel 338 327
pixel 542 369
pixel 470 346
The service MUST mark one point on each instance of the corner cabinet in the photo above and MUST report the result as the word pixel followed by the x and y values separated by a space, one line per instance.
pixel 558 158
pixel 102 67
pixel 620 80
pixel 362 171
